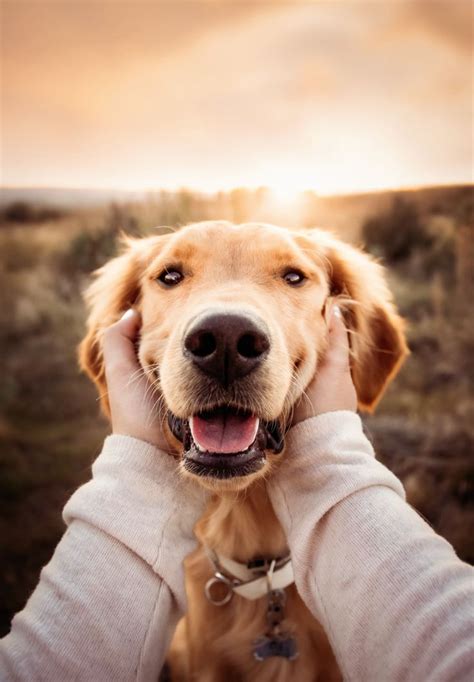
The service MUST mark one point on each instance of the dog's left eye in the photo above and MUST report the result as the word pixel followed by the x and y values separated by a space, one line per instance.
pixel 170 278
pixel 294 278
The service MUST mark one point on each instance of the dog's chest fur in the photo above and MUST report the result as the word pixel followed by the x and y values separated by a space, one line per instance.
pixel 215 643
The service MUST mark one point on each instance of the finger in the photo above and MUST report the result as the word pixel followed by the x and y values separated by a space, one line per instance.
pixel 129 324
pixel 328 311
pixel 336 357
pixel 338 351
pixel 119 341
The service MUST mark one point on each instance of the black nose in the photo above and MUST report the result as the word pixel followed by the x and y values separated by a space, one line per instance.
pixel 227 346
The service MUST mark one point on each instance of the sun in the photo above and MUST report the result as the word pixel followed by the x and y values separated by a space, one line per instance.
pixel 285 193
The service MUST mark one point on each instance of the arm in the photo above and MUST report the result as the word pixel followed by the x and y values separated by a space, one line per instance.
pixel 109 600
pixel 394 599
pixel 107 603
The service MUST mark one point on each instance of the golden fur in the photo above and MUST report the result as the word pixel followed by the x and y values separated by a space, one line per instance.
pixel 240 268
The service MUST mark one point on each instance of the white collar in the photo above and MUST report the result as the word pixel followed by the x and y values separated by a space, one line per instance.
pixel 247 581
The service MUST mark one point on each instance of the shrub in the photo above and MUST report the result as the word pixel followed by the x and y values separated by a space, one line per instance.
pixel 24 212
pixel 89 250
pixel 396 233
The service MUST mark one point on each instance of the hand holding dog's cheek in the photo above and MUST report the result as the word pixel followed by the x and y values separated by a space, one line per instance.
pixel 131 397
pixel 332 388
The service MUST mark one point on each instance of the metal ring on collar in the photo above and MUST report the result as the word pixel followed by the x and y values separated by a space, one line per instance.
pixel 216 579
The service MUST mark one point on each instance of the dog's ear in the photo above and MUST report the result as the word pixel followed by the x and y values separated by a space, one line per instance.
pixel 376 332
pixel 116 288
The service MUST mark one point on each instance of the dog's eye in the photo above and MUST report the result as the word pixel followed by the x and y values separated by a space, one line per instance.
pixel 294 278
pixel 170 278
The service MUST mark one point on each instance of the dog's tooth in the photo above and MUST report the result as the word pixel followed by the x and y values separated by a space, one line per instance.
pixel 257 424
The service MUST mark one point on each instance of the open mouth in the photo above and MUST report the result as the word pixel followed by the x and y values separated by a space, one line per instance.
pixel 225 442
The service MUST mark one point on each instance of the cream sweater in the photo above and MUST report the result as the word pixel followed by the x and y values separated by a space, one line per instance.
pixel 393 597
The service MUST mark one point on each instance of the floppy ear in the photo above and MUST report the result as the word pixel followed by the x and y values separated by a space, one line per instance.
pixel 376 331
pixel 115 289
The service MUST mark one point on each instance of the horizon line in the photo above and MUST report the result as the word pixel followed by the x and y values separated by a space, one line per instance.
pixel 249 188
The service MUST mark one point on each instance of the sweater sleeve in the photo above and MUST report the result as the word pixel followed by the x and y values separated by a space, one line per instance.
pixel 393 597
pixel 108 601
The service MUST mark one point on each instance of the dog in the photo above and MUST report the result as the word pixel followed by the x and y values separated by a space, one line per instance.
pixel 233 330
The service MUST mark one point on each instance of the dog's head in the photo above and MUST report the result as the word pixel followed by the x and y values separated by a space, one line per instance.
pixel 233 329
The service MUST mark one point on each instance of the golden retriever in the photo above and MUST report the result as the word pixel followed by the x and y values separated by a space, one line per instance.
pixel 233 329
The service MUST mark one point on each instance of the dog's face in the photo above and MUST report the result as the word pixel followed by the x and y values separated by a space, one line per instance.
pixel 233 328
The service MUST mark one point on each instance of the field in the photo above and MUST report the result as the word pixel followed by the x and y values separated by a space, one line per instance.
pixel 50 427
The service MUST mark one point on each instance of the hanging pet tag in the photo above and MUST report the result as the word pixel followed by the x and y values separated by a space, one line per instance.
pixel 278 645
pixel 275 642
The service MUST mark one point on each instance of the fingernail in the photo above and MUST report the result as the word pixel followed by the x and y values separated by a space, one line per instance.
pixel 127 314
pixel 336 311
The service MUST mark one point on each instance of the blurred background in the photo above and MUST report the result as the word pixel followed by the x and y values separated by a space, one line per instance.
pixel 131 116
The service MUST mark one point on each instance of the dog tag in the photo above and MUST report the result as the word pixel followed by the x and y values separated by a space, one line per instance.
pixel 283 646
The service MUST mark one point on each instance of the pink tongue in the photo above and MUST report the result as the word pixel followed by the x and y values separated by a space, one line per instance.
pixel 224 432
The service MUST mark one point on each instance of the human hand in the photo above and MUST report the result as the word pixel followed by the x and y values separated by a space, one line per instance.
pixel 332 387
pixel 131 396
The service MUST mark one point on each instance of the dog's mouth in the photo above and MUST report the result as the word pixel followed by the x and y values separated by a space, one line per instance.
pixel 225 442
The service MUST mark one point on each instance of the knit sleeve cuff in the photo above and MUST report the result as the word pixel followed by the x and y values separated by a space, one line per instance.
pixel 123 454
pixel 316 434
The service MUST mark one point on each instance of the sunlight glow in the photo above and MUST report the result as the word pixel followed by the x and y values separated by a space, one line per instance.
pixel 256 99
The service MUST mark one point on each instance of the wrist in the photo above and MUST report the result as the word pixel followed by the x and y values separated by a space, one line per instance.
pixel 150 432
pixel 134 434
pixel 327 458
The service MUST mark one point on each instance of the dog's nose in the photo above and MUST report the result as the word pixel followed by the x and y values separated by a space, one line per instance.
pixel 227 346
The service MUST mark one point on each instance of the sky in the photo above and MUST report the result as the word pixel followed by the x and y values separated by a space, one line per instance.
pixel 334 95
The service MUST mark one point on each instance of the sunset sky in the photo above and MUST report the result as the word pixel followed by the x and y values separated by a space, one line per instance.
pixel 332 96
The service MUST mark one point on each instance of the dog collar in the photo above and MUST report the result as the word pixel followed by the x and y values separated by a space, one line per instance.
pixel 251 581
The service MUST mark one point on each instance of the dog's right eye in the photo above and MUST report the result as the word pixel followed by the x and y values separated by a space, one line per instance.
pixel 170 278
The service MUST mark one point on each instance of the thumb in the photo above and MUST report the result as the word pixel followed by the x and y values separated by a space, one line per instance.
pixel 119 341
pixel 338 350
